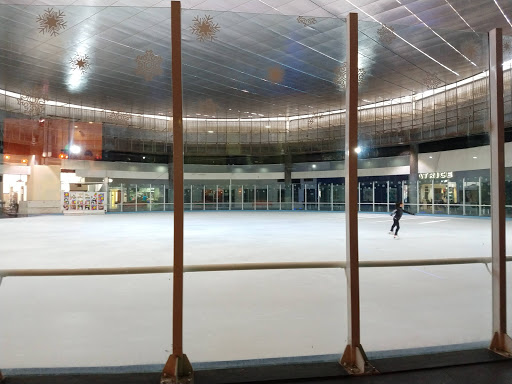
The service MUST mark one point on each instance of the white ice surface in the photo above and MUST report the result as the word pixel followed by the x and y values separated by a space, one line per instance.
pixel 126 320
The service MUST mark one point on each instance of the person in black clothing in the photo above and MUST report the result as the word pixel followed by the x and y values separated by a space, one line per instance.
pixel 397 215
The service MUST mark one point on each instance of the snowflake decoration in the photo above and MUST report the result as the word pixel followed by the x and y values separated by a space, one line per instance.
pixel 80 62
pixel 275 74
pixel 33 101
pixel 472 50
pixel 204 28
pixel 341 75
pixel 305 21
pixel 118 117
pixel 149 65
pixel 51 21
pixel 431 81
pixel 386 34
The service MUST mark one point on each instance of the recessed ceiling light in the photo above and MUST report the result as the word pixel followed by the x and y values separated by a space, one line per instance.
pixel 430 157
pixel 267 126
pixel 245 90
pixel 474 157
pixel 210 131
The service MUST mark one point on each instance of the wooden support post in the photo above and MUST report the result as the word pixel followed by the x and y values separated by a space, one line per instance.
pixel 354 359
pixel 178 369
pixel 501 342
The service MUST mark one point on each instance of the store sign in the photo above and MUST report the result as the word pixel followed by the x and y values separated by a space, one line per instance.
pixel 435 175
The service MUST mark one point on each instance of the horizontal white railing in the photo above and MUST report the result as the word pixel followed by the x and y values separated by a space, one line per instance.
pixel 241 267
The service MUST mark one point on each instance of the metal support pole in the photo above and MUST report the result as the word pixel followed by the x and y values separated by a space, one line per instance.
pixel 501 342
pixel 433 197
pixel 242 197
pixel 332 198
pixel 417 196
pixel 354 359
pixel 178 368
pixel 388 194
pixel 255 197
pixel 448 196
pixel 359 196
pixel 305 197
pixel 204 197
pixel 463 196
pixel 291 188
pixel 229 195
pixel 373 195
pixel 150 199
pixel 122 196
pixel 136 195
pixel 267 197
pixel 279 196
pixel 317 196
pixel 480 196
pixel 216 197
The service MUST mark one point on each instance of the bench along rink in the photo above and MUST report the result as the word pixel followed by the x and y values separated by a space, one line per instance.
pixel 85 321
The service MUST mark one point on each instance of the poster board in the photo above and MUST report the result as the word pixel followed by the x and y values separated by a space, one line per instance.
pixel 76 202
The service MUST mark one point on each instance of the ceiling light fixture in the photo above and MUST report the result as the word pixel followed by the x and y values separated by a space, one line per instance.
pixel 437 34
pixel 503 13
pixel 401 38
pixel 458 14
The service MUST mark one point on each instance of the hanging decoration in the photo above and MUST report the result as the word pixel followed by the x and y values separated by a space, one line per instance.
pixel 80 62
pixel 341 75
pixel 149 65
pixel 431 81
pixel 204 28
pixel 33 102
pixel 118 117
pixel 386 34
pixel 306 21
pixel 51 22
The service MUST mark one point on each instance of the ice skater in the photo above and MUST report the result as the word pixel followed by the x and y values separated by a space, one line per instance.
pixel 397 215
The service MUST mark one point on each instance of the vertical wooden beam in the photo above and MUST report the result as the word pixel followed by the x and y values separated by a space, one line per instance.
pixel 353 359
pixel 178 368
pixel 501 342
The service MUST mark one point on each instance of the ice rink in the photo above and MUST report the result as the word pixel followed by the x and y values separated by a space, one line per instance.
pixel 126 320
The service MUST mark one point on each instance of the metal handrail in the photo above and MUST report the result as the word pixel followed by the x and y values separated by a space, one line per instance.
pixel 241 267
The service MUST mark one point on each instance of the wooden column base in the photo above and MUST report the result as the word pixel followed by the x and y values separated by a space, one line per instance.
pixel 501 344
pixel 355 362
pixel 177 370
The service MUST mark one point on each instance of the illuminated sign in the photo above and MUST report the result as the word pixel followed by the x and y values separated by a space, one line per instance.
pixel 435 175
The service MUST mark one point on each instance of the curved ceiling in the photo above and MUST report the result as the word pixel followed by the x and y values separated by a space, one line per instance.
pixel 258 58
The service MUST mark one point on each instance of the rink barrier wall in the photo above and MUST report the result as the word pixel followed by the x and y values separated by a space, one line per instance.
pixel 241 267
